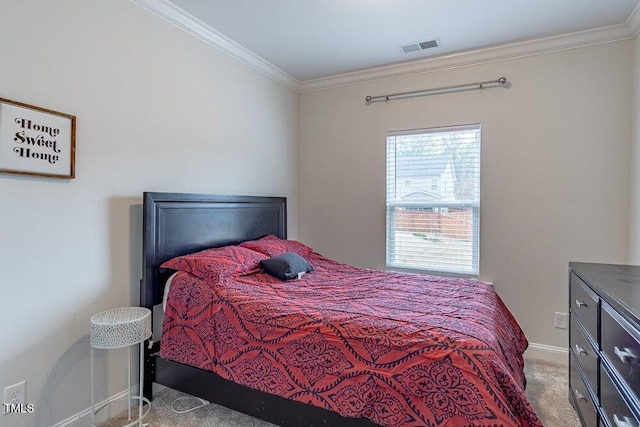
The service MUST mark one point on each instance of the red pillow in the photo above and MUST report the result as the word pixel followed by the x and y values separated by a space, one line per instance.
pixel 217 262
pixel 273 246
pixel 269 245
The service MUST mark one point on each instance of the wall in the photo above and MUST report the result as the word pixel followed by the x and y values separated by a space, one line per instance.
pixel 157 110
pixel 634 194
pixel 555 169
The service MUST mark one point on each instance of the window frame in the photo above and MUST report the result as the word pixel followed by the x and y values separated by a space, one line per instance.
pixel 435 206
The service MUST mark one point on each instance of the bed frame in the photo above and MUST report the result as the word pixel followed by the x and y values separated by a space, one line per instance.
pixel 176 224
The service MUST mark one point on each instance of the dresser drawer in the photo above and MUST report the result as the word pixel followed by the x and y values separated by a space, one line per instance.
pixel 614 408
pixel 584 302
pixel 585 354
pixel 621 346
pixel 580 395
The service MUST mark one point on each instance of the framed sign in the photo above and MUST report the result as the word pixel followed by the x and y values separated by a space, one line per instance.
pixel 36 141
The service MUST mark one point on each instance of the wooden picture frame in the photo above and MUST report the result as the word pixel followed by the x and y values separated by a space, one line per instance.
pixel 36 141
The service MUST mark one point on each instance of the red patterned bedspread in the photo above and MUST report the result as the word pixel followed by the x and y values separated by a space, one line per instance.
pixel 398 349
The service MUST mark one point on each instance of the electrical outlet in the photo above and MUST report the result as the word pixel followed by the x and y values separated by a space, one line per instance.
pixel 14 395
pixel 560 320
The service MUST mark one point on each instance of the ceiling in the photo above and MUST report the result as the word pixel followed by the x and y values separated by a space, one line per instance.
pixel 316 39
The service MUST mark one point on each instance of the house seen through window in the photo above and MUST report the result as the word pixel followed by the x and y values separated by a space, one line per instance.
pixel 433 200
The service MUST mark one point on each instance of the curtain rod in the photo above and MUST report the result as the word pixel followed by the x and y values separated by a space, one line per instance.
pixel 436 91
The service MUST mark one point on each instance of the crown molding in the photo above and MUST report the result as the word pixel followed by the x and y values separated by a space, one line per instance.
pixel 633 22
pixel 171 13
pixel 180 18
pixel 479 56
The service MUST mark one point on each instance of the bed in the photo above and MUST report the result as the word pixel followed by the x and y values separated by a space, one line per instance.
pixel 338 346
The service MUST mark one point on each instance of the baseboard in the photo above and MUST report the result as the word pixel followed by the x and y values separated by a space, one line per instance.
pixel 547 353
pixel 87 413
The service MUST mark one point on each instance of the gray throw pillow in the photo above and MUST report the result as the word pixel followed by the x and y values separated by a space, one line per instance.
pixel 286 266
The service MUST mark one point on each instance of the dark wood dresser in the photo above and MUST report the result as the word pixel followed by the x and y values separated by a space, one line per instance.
pixel 604 337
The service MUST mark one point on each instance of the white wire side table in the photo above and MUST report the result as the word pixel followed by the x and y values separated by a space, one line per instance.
pixel 117 328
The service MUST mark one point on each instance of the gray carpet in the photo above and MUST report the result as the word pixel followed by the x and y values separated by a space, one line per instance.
pixel 547 391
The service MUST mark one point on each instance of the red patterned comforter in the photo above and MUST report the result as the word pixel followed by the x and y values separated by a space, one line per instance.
pixel 398 349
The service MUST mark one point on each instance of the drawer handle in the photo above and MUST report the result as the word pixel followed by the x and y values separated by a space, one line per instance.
pixel 579 395
pixel 623 422
pixel 625 354
pixel 581 350
pixel 581 303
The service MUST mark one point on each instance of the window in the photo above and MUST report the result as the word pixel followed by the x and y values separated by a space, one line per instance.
pixel 434 227
pixel 434 184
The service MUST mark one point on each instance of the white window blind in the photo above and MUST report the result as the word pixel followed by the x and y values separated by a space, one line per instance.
pixel 434 227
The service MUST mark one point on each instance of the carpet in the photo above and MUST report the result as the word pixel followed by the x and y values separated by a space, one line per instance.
pixel 548 393
pixel 547 390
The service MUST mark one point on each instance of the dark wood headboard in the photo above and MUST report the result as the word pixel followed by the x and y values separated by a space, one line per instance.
pixel 176 224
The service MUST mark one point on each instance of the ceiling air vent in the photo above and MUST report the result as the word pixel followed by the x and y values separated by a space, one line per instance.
pixel 414 47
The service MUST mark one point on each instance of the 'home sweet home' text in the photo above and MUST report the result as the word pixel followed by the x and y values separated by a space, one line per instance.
pixel 36 140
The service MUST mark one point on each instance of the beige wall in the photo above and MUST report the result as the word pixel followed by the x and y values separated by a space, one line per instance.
pixel 634 216
pixel 555 169
pixel 157 110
